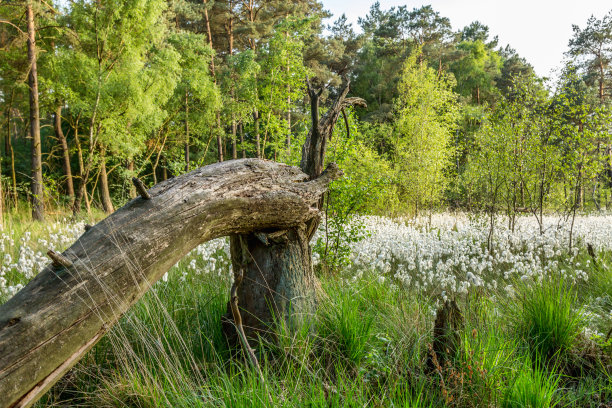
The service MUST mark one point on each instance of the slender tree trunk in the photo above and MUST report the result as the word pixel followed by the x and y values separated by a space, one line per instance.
pixel 38 209
pixel 219 137
pixel 13 174
pixel 288 118
pixel 234 151
pixel 130 169
pixel 214 75
pixel 230 41
pixel 107 203
pixel 8 145
pixel 186 132
pixel 602 78
pixel 257 141
pixel 288 101
pixel 242 141
pixel 83 178
pixel 59 133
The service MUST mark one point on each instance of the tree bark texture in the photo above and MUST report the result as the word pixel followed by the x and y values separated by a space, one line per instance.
pixel 52 322
pixel 59 133
pixel 38 209
pixel 107 203
pixel 278 264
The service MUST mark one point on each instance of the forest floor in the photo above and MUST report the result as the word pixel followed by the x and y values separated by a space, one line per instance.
pixel 534 331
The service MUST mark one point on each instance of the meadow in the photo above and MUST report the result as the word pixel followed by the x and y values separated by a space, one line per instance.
pixel 535 330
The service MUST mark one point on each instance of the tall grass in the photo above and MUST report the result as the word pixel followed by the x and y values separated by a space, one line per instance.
pixel 547 317
pixel 367 345
pixel 532 387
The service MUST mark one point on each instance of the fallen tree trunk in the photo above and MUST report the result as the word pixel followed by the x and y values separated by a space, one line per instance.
pixel 52 322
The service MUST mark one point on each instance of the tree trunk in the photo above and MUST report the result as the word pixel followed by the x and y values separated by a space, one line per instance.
pixel 242 141
pixel 219 137
pixel 130 169
pixel 234 151
pixel 107 203
pixel 186 131
pixel 83 177
pixel 277 263
pixel 8 145
pixel 52 322
pixel 59 133
pixel 256 122
pixel 38 209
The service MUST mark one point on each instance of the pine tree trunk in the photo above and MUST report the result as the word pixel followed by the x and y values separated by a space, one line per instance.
pixel 107 203
pixel 59 133
pixel 277 264
pixel 38 209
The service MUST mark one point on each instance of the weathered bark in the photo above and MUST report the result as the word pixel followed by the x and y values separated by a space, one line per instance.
pixel 278 263
pixel 51 323
pixel 38 209
pixel 59 133
pixel 446 337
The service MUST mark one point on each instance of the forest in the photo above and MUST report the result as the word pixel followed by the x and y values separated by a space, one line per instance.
pixel 464 258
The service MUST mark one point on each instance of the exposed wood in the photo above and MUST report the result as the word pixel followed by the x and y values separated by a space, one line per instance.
pixel 277 263
pixel 140 187
pixel 116 262
pixel 446 338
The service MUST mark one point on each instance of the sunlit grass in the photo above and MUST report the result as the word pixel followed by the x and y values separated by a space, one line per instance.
pixel 367 345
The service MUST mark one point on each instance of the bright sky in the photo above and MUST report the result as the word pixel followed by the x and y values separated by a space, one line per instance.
pixel 539 30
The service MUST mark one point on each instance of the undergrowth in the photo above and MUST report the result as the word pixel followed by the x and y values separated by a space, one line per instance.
pixel 367 346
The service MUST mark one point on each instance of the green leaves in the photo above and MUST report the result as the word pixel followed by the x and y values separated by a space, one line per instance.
pixel 427 111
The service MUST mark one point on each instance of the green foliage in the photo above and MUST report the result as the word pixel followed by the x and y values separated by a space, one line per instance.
pixel 364 189
pixel 532 387
pixel 427 112
pixel 476 70
pixel 546 318
pixel 347 324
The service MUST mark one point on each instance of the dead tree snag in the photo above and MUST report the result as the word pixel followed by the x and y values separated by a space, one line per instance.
pixel 279 281
pixel 52 322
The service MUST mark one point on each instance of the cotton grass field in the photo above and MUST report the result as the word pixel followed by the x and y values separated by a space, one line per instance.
pixel 535 330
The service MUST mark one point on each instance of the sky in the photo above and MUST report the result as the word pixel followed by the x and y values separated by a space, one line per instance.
pixel 539 30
